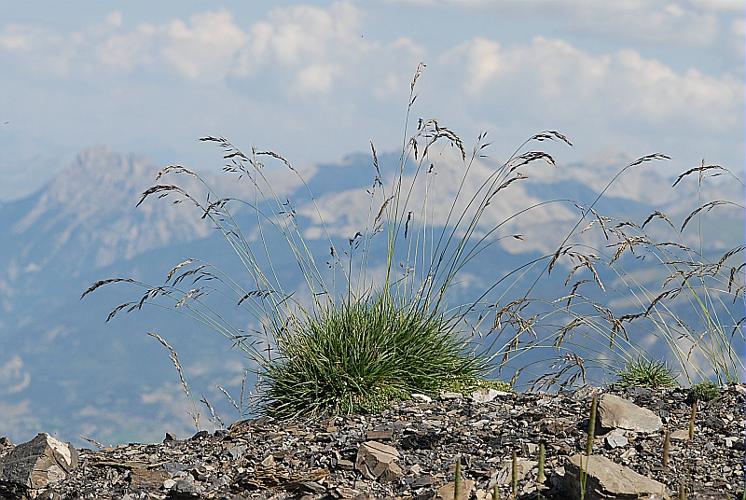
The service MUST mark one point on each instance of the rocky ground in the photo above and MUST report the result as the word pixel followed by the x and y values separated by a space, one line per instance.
pixel 410 452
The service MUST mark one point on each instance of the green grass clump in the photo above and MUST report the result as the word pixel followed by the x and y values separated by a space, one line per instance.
pixel 363 355
pixel 704 391
pixel 643 373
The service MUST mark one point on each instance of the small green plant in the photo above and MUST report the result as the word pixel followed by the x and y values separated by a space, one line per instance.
pixel 644 373
pixel 704 391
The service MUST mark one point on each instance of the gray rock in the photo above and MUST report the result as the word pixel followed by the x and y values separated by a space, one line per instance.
pixel 39 462
pixel 616 439
pixel 142 479
pixel 173 468
pixel 237 451
pixel 378 461
pixel 586 392
pixel 619 413
pixel 380 435
pixel 485 395
pixel 530 449
pixel 448 395
pixel 422 397
pixel 313 487
pixel 186 487
pixel 448 491
pixel 504 474
pixel 680 435
pixel 606 479
pixel 708 494
pixel 220 481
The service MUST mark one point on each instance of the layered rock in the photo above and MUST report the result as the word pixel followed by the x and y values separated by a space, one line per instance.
pixel 34 465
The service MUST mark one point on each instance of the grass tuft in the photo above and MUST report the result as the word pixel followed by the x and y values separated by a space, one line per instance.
pixel 644 373
pixel 704 391
pixel 361 356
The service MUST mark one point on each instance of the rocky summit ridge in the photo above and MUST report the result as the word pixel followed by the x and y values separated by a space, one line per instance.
pixel 410 451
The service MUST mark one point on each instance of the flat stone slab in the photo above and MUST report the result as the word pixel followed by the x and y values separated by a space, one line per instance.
pixel 607 479
pixel 615 412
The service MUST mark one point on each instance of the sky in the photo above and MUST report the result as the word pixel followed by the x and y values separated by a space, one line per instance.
pixel 318 80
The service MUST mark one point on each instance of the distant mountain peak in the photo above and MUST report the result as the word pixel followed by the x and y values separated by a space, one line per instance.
pixel 90 206
pixel 106 167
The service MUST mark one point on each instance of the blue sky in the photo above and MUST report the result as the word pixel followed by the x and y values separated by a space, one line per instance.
pixel 318 80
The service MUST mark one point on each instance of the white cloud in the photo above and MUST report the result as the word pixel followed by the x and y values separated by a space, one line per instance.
pixel 295 35
pixel 682 23
pixel 13 377
pixel 317 78
pixel 125 51
pixel 673 23
pixel 19 419
pixel 316 49
pixel 202 48
pixel 205 47
pixel 310 48
pixel 309 66
pixel 720 5
pixel 738 30
pixel 564 78
pixel 551 63
pixel 659 93
pixel 15 38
